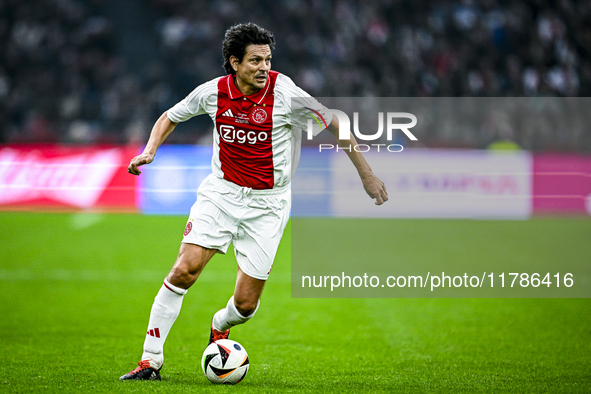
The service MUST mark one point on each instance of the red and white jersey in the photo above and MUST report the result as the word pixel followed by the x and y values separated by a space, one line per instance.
pixel 254 145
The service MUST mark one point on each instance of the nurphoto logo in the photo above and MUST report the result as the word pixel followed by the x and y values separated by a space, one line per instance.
pixel 345 130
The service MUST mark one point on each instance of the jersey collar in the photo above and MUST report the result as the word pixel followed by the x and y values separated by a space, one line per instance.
pixel 256 98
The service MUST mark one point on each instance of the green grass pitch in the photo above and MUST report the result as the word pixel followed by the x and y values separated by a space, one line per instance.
pixel 76 291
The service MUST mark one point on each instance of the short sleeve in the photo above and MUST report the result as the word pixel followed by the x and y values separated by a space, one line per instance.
pixel 305 110
pixel 194 104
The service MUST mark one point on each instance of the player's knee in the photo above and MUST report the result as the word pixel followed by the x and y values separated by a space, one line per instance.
pixel 182 277
pixel 188 266
pixel 245 307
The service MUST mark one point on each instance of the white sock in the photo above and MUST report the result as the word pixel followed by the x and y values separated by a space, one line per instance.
pixel 165 310
pixel 229 316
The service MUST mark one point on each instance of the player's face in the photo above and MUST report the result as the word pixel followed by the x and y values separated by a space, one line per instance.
pixel 253 71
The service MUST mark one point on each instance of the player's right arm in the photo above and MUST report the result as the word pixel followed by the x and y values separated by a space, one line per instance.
pixel 162 128
pixel 200 101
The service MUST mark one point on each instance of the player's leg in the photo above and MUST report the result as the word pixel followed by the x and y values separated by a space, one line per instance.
pixel 208 230
pixel 247 293
pixel 167 305
pixel 189 264
pixel 240 308
pixel 255 246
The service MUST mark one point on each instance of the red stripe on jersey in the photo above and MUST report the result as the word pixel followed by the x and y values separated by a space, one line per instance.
pixel 244 125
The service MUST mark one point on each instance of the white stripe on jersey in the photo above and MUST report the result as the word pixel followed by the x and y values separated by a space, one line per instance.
pixel 202 100
pixel 287 146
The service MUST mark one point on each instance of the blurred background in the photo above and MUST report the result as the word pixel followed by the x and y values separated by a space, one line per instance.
pixel 102 71
pixel 83 81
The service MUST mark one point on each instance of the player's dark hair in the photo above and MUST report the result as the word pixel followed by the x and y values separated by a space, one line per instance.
pixel 239 36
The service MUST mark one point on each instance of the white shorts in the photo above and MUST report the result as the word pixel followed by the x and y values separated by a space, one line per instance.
pixel 253 220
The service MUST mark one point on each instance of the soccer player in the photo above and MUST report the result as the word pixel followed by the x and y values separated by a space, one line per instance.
pixel 246 199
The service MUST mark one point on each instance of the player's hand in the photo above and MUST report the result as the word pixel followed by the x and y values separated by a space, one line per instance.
pixel 375 188
pixel 144 158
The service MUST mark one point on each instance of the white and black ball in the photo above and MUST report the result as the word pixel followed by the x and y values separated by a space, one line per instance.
pixel 225 362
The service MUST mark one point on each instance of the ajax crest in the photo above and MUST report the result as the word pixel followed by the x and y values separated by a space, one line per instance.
pixel 258 115
pixel 188 228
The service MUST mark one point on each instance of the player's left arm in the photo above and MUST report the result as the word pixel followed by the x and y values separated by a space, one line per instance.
pixel 372 184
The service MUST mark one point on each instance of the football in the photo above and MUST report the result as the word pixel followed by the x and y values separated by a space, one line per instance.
pixel 225 362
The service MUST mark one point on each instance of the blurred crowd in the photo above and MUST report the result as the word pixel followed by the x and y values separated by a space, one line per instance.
pixel 65 77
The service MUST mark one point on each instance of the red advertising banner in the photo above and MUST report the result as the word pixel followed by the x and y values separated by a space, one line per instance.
pixel 96 178
pixel 67 177
pixel 562 184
